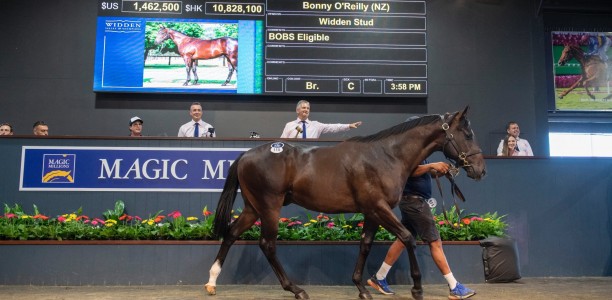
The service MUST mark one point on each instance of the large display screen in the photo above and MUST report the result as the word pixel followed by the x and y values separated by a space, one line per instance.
pixel 274 47
pixel 582 71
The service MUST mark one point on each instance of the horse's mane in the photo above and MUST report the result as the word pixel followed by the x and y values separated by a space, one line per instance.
pixel 397 129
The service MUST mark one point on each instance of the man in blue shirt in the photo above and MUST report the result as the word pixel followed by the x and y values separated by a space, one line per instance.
pixel 597 45
pixel 417 218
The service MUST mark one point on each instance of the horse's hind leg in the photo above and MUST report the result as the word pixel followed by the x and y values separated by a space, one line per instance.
pixel 188 65
pixel 194 69
pixel 369 229
pixel 229 76
pixel 244 222
pixel 231 68
pixel 267 243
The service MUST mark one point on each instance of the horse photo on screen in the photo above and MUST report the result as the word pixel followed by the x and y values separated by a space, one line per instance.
pixel 192 49
pixel 360 175
pixel 594 70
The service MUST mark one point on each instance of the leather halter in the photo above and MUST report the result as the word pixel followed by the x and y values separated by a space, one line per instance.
pixel 461 156
pixel 453 172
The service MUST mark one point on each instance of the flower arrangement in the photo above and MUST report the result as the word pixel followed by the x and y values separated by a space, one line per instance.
pixel 16 224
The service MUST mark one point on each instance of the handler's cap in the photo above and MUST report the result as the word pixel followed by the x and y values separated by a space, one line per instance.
pixel 135 119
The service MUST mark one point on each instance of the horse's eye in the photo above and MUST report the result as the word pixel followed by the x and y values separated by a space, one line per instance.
pixel 468 134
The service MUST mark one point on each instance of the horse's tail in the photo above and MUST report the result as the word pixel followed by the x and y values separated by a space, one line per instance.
pixel 223 213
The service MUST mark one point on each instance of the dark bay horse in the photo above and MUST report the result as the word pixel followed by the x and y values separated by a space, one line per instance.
pixel 362 174
pixel 191 49
pixel 594 70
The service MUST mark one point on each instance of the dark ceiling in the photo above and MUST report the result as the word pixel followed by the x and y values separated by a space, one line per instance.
pixel 576 6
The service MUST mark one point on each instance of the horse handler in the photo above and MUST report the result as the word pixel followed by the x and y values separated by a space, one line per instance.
pixel 417 218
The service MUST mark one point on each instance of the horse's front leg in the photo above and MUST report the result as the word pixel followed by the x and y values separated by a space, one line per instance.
pixel 244 222
pixel 388 220
pixel 577 83
pixel 415 271
pixel 367 237
pixel 267 243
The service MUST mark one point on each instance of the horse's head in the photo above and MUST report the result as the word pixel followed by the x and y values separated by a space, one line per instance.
pixel 569 51
pixel 460 144
pixel 162 35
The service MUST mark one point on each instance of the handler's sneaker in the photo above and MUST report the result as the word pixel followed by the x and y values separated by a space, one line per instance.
pixel 380 285
pixel 460 292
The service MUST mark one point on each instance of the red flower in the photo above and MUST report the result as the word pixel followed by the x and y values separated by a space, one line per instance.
pixel 284 220
pixel 40 216
pixel 294 223
pixel 466 221
pixel 330 225
pixel 83 217
pixel 175 214
pixel 207 212
pixel 159 219
pixel 360 224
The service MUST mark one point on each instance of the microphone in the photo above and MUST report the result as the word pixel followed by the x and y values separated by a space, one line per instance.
pixel 299 130
pixel 211 131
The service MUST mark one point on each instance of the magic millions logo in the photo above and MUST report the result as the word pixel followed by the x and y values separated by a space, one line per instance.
pixel 123 26
pixel 58 168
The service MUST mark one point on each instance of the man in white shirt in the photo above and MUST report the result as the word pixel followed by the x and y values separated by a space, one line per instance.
pixel 522 145
pixel 303 128
pixel 196 127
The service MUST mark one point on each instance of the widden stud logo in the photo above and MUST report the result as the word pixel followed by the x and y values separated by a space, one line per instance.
pixel 58 168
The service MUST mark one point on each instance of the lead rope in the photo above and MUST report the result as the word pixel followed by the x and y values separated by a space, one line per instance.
pixel 454 190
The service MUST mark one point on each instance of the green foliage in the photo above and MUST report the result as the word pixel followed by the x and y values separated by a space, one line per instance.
pixel 579 100
pixel 470 227
pixel 16 224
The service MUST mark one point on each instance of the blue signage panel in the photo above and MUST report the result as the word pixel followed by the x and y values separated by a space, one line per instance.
pixel 125 169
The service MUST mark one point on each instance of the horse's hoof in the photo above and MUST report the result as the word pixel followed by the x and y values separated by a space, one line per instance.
pixel 365 295
pixel 212 290
pixel 302 295
pixel 417 294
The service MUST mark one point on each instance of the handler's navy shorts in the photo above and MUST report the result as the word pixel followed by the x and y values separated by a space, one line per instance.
pixel 417 218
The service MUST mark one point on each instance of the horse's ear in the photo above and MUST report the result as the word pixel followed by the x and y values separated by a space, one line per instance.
pixel 464 112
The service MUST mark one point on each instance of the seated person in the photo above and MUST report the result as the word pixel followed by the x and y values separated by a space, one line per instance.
pixel 6 129
pixel 510 147
pixel 136 126
pixel 40 128
pixel 196 127
pixel 522 145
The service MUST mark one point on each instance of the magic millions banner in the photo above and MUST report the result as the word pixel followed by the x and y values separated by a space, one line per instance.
pixel 125 169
